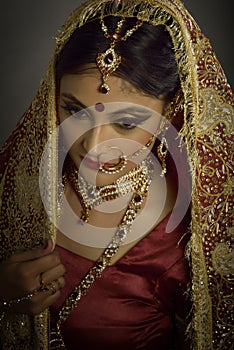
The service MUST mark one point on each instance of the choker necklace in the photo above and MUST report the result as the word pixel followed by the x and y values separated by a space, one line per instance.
pixel 91 196
pixel 140 191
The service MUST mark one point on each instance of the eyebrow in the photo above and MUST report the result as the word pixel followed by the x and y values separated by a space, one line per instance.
pixel 74 99
pixel 142 112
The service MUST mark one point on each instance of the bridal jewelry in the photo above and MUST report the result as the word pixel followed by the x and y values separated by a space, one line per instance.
pixel 140 191
pixel 145 147
pixel 162 151
pixel 91 196
pixel 9 303
pixel 109 60
pixel 41 280
pixel 114 168
pixel 121 164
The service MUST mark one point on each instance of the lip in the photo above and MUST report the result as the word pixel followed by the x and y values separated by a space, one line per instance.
pixel 89 163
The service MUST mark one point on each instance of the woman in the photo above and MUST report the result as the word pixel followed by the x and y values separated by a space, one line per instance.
pixel 82 162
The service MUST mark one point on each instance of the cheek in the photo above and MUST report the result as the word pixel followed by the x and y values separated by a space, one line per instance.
pixel 71 129
pixel 75 151
pixel 133 142
pixel 70 135
pixel 142 140
pixel 61 115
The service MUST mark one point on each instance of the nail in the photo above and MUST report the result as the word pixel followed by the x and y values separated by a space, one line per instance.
pixel 45 245
pixel 48 245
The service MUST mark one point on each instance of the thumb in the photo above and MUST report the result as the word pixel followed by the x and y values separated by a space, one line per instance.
pixel 32 254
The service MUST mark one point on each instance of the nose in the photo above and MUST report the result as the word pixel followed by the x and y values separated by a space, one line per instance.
pixel 94 138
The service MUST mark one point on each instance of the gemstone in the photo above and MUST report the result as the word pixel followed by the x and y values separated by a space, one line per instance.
pixel 91 193
pixel 115 37
pixel 109 58
pixel 138 198
pixel 100 265
pixel 76 295
pixel 104 89
pixel 89 279
pixel 121 234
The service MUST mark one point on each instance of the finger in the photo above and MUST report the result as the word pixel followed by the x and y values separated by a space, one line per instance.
pixel 31 254
pixel 32 269
pixel 51 288
pixel 47 302
pixel 51 275
pixel 36 305
pixel 46 298
pixel 61 282
pixel 27 274
pixel 40 300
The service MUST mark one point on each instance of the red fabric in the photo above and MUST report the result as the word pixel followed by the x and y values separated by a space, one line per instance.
pixel 132 306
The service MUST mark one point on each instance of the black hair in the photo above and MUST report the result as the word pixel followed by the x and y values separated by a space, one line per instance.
pixel 148 60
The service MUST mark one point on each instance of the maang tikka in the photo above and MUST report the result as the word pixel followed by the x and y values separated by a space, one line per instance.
pixel 109 60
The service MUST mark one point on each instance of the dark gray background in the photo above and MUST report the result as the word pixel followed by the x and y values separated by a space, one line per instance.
pixel 28 29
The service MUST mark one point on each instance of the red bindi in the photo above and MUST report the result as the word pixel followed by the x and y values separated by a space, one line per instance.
pixel 99 107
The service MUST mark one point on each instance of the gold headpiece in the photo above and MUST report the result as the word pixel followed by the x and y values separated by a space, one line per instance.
pixel 109 60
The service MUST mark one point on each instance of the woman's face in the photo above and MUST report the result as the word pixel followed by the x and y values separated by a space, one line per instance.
pixel 100 128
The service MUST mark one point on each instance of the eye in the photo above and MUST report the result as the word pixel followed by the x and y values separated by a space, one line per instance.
pixel 73 109
pixel 127 123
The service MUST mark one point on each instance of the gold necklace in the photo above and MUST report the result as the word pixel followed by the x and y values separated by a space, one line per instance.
pixel 91 195
pixel 135 204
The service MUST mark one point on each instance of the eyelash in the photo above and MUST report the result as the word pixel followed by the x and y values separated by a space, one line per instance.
pixel 71 109
pixel 127 123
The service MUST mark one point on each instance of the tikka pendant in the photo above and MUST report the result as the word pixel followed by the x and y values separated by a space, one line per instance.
pixel 107 62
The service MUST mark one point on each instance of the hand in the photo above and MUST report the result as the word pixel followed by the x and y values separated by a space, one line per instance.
pixel 38 272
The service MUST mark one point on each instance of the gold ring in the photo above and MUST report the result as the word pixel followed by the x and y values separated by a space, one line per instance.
pixel 53 288
pixel 42 283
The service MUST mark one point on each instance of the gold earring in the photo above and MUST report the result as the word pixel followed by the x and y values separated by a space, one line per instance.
pixel 162 151
pixel 144 148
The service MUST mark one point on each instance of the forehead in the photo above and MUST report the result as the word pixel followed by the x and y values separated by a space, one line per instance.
pixel 85 87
